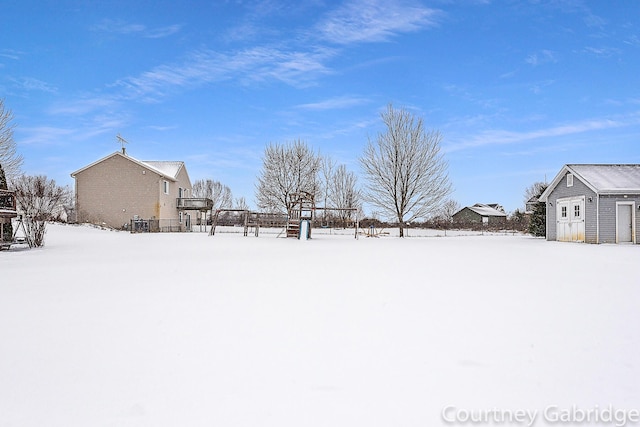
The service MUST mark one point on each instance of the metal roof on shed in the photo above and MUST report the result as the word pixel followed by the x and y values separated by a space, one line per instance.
pixel 610 178
pixel 602 179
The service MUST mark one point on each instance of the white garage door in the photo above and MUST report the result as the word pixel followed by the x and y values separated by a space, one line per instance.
pixel 570 219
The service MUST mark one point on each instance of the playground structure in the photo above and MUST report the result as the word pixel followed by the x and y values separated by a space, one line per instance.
pixel 298 223
pixel 301 213
pixel 8 211
pixel 249 220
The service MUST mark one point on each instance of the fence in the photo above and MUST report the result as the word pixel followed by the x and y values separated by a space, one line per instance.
pixel 158 226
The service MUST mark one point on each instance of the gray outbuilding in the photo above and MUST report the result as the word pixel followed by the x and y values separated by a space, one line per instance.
pixel 487 215
pixel 594 203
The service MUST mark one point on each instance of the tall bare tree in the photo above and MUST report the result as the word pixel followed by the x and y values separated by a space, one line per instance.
pixel 286 169
pixel 406 173
pixel 219 193
pixel 534 190
pixel 327 170
pixel 447 210
pixel 241 203
pixel 39 200
pixel 344 193
pixel 9 158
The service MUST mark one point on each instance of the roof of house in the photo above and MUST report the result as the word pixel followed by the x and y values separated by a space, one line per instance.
pixel 165 169
pixel 484 210
pixel 602 179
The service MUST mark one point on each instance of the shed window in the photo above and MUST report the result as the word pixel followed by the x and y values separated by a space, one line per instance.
pixel 563 211
pixel 576 211
pixel 569 180
pixel 165 187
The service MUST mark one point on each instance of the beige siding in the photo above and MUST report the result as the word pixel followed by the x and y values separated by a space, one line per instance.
pixel 114 190
pixel 168 209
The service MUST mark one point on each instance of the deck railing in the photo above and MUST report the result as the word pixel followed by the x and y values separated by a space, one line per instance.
pixel 201 203
pixel 7 200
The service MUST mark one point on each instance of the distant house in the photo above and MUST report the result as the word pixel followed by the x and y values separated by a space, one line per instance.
pixel 594 204
pixel 118 188
pixel 481 214
pixel 530 205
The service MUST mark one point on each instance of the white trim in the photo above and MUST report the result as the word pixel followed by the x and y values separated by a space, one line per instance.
pixel 544 197
pixel 633 219
pixel 597 218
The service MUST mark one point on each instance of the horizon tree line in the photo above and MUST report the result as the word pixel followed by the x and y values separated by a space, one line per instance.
pixel 405 176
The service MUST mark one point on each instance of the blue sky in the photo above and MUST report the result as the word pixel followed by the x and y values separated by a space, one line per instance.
pixel 517 88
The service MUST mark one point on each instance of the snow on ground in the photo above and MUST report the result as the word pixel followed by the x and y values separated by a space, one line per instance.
pixel 104 328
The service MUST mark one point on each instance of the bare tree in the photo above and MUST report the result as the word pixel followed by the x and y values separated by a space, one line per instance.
pixel 344 193
pixel 9 158
pixel 286 169
pixel 39 200
pixel 327 166
pixel 405 171
pixel 534 190
pixel 219 193
pixel 241 203
pixel 448 209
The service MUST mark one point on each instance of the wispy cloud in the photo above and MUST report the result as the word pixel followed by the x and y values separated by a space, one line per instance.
pixel 84 128
pixel 633 40
pixel 126 28
pixel 601 52
pixel 374 21
pixel 334 103
pixel 542 57
pixel 82 105
pixel 538 87
pixel 10 54
pixel 43 135
pixel 30 83
pixel 161 128
pixel 258 64
pixel 504 137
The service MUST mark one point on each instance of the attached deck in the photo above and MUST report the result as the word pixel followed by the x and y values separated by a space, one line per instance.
pixel 7 211
pixel 8 204
pixel 194 203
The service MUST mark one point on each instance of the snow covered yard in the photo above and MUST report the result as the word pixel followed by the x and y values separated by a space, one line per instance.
pixel 104 328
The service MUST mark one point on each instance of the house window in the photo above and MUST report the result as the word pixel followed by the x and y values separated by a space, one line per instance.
pixel 563 212
pixel 165 187
pixel 180 217
pixel 576 211
pixel 569 180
